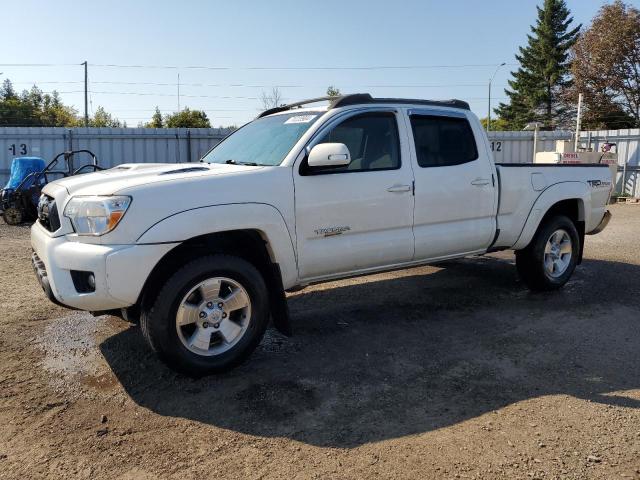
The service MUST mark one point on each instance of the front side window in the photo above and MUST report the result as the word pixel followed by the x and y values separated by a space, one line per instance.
pixel 265 141
pixel 372 140
pixel 443 141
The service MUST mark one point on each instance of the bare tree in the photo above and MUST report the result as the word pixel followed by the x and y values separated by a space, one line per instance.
pixel 271 99
pixel 333 91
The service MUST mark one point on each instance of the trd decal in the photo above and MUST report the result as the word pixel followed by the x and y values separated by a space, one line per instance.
pixel 598 183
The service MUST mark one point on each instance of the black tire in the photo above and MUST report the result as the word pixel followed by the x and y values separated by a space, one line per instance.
pixel 12 216
pixel 158 322
pixel 530 261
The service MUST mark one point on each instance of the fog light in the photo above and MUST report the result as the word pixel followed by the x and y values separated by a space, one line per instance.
pixel 85 282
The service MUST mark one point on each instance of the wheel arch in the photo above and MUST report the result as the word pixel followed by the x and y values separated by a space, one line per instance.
pixel 569 199
pixel 250 244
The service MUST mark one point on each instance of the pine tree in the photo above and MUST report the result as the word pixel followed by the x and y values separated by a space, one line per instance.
pixel 156 120
pixel 535 92
pixel 7 91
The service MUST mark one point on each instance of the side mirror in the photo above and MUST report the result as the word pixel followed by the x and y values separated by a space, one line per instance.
pixel 329 155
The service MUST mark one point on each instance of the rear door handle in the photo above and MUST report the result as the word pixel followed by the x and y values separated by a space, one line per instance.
pixel 480 182
pixel 399 188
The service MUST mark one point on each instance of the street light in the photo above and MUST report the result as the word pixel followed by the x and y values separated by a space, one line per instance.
pixel 489 105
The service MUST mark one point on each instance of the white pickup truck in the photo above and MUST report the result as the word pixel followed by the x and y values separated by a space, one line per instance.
pixel 203 253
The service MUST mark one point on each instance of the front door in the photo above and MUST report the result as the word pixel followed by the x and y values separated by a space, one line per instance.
pixel 358 216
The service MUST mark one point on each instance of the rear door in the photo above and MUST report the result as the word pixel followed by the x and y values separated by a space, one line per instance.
pixel 455 190
pixel 359 216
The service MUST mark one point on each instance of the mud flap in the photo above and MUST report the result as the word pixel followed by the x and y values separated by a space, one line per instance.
pixel 580 227
pixel 278 302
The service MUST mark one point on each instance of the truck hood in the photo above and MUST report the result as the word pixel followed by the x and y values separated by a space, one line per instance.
pixel 130 175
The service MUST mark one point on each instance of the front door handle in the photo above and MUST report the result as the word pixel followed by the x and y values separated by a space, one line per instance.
pixel 399 188
pixel 480 182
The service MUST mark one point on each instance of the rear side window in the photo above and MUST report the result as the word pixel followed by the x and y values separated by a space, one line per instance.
pixel 443 141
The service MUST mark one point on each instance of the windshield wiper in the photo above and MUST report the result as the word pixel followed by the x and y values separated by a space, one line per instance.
pixel 231 161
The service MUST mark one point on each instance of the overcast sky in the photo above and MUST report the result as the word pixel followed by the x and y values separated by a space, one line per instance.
pixel 302 46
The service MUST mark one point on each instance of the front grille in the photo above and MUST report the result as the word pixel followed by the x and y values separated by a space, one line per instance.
pixel 48 213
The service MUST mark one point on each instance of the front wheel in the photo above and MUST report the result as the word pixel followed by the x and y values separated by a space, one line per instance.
pixel 209 316
pixel 549 260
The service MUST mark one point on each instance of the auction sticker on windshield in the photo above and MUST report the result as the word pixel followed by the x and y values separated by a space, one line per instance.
pixel 301 119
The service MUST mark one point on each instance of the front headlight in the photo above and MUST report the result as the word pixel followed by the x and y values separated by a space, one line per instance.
pixel 96 215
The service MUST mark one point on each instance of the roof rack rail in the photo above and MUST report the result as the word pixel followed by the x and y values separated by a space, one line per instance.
pixel 289 106
pixel 365 98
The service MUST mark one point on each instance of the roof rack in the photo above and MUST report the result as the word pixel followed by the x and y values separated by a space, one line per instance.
pixel 365 98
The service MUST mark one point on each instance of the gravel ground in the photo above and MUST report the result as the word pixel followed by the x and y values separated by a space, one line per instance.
pixel 451 371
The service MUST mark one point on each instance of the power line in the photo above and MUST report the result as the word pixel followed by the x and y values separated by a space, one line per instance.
pixel 364 67
pixel 215 67
pixel 171 108
pixel 53 82
pixel 40 64
pixel 168 95
pixel 242 85
pixel 149 94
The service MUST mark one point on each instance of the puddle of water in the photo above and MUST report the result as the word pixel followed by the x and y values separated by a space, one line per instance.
pixel 72 354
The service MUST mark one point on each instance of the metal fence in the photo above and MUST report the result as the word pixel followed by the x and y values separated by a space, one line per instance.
pixel 114 146
pixel 517 147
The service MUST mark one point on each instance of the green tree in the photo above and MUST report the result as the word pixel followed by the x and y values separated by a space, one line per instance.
pixel 497 124
pixel 55 114
pixel 333 91
pixel 606 68
pixel 102 118
pixel 33 108
pixel 156 120
pixel 536 91
pixel 187 119
pixel 6 91
pixel 15 110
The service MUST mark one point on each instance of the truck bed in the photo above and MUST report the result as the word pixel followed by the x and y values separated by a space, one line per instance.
pixel 521 185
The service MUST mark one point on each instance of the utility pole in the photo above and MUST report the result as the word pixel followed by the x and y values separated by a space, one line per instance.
pixel 535 126
pixel 86 95
pixel 577 139
pixel 178 92
pixel 489 103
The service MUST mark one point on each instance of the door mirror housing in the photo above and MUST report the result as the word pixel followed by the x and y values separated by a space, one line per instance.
pixel 329 155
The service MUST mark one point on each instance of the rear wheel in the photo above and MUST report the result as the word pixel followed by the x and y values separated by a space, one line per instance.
pixel 550 259
pixel 209 315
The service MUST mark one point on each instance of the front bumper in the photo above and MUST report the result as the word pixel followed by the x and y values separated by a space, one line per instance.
pixel 120 271
pixel 41 274
pixel 603 223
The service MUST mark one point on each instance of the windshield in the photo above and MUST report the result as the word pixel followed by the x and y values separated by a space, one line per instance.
pixel 265 141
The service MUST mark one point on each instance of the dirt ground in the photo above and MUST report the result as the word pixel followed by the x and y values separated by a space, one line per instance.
pixel 452 371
